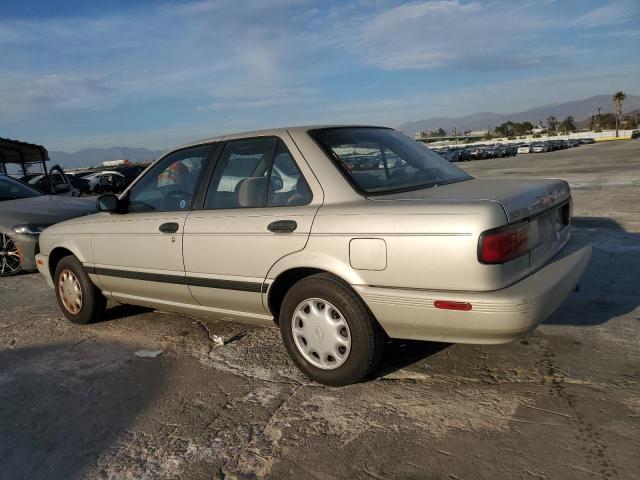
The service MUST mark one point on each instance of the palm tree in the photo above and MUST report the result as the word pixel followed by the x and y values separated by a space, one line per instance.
pixel 618 98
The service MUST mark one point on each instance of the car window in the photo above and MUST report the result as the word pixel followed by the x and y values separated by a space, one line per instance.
pixel 171 183
pixel 255 173
pixel 11 189
pixel 56 179
pixel 287 186
pixel 35 180
pixel 381 160
pixel 240 177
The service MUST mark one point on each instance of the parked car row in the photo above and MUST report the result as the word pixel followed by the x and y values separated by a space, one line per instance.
pixel 105 181
pixel 552 145
pixel 83 183
pixel 476 152
pixel 501 150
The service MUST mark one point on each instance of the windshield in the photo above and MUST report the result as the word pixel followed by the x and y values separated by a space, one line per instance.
pixel 11 189
pixel 382 160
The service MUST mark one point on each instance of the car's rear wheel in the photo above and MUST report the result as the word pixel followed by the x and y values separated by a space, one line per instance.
pixel 10 263
pixel 79 299
pixel 329 332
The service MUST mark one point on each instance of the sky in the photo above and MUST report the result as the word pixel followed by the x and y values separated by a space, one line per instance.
pixel 156 73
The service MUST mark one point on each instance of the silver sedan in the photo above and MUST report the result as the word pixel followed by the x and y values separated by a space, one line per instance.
pixel 341 236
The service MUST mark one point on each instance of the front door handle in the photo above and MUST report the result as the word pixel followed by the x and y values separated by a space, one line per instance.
pixel 170 227
pixel 282 226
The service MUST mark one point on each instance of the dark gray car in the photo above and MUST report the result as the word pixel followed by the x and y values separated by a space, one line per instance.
pixel 24 213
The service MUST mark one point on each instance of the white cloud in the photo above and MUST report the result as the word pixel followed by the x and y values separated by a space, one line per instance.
pixel 276 98
pixel 614 13
pixel 428 35
pixel 207 50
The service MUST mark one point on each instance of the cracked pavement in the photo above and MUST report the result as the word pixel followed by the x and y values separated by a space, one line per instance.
pixel 563 402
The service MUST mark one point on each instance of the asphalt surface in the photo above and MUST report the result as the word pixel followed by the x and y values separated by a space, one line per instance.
pixel 564 402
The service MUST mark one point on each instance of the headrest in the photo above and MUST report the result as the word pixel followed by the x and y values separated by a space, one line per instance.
pixel 251 191
pixel 302 193
pixel 302 187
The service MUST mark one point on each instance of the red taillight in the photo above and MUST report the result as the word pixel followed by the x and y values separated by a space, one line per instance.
pixel 504 244
pixel 450 305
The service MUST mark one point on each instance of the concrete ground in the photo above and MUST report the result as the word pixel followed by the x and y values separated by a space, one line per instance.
pixel 563 402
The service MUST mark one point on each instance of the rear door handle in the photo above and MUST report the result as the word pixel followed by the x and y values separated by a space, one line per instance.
pixel 282 226
pixel 170 227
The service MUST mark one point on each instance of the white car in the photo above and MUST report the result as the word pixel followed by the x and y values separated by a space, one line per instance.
pixel 540 148
pixel 377 238
pixel 95 179
pixel 524 149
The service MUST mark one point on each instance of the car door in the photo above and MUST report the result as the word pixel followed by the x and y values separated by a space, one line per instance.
pixel 252 216
pixel 59 183
pixel 138 254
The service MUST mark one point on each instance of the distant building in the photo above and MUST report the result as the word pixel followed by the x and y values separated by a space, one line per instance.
pixel 116 163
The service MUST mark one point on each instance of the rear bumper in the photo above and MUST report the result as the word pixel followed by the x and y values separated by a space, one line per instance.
pixel 499 316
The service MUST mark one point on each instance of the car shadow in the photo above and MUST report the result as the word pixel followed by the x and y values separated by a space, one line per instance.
pixel 399 354
pixel 62 406
pixel 121 310
pixel 609 287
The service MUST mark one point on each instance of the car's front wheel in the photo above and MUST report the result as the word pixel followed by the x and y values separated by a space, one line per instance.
pixel 79 299
pixel 329 332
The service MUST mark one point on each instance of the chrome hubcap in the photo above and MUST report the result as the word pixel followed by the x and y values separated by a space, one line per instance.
pixel 9 256
pixel 70 291
pixel 321 333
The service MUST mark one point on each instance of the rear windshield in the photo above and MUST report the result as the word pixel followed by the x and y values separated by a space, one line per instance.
pixel 382 160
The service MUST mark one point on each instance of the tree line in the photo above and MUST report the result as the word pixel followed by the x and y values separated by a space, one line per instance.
pixel 605 121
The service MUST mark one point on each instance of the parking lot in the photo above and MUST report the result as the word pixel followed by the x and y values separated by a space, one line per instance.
pixel 151 394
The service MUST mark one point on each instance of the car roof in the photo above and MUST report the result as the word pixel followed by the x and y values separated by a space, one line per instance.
pixel 276 132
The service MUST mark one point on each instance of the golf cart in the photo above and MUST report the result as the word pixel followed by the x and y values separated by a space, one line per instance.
pixel 27 162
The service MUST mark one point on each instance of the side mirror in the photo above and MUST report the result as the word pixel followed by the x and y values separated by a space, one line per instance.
pixel 62 188
pixel 107 203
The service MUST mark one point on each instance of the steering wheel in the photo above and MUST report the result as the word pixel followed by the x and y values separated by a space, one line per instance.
pixel 176 199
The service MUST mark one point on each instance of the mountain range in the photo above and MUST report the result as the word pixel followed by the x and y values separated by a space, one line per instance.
pixel 580 110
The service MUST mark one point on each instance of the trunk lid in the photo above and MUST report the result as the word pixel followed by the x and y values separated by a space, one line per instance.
pixel 519 199
pixel 545 204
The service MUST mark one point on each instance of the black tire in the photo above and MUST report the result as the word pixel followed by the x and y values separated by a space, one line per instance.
pixel 10 262
pixel 367 337
pixel 93 305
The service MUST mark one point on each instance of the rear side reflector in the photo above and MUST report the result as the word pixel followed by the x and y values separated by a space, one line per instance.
pixel 449 305
pixel 503 244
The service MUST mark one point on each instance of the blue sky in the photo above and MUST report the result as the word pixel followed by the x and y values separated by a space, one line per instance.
pixel 154 73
